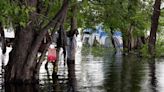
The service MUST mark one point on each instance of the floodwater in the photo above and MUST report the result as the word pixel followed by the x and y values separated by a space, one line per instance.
pixel 107 73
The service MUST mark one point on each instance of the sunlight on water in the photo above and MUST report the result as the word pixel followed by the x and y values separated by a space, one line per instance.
pixel 90 78
pixel 160 76
pixel 3 62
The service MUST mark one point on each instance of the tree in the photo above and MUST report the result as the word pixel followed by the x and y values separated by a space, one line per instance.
pixel 154 27
pixel 23 66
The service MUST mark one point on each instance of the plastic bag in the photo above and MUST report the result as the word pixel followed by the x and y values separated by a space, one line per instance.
pixel 51 55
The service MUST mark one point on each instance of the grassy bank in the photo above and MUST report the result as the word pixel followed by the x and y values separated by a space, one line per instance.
pixel 96 50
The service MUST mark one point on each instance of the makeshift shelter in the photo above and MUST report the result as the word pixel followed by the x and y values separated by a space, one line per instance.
pixel 117 36
pixel 86 36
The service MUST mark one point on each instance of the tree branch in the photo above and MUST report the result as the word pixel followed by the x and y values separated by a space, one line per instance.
pixel 55 22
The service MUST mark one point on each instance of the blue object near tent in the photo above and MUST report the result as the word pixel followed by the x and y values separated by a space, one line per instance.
pixel 103 34
pixel 117 36
pixel 117 33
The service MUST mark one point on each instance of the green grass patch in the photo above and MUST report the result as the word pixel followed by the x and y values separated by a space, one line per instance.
pixel 96 50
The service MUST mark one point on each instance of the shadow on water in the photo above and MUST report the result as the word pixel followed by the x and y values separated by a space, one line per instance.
pixel 152 74
pixel 57 83
pixel 22 88
pixel 72 82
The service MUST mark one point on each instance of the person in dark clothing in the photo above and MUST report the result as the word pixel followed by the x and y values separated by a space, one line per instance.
pixel 62 41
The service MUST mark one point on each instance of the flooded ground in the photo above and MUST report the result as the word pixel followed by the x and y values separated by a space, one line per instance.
pixel 106 73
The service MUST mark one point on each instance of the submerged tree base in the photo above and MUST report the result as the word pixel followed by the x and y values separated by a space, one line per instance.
pixel 70 61
pixel 22 88
pixel 22 82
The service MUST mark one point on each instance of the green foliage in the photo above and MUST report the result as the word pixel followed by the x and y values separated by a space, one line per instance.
pixel 144 50
pixel 95 50
pixel 90 14
pixel 116 14
pixel 119 14
pixel 5 10
pixel 21 14
pixel 160 44
pixel 14 13
pixel 161 19
pixel 99 51
pixel 160 48
pixel 54 7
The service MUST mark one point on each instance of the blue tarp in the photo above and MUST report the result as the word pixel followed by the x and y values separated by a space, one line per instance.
pixel 117 33
pixel 102 34
pixel 100 31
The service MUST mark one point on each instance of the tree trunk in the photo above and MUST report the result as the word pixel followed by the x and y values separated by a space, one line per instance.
pixel 72 82
pixel 127 39
pixel 18 68
pixel 112 37
pixel 153 75
pixel 130 38
pixel 130 41
pixel 154 27
pixel 74 17
pixel 23 66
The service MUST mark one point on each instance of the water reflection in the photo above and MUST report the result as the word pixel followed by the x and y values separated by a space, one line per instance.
pixel 72 82
pixel 21 88
pixel 108 73
pixel 56 85
pixel 2 71
pixel 152 74
pixel 112 77
pixel 90 75
pixel 128 74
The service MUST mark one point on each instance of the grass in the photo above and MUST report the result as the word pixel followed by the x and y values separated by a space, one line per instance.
pixel 95 50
